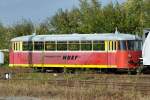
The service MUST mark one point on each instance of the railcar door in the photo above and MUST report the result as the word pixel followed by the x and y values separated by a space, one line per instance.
pixel 38 54
pixel 111 54
pixel 17 53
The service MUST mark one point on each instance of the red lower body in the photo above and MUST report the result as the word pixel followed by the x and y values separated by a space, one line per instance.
pixel 117 59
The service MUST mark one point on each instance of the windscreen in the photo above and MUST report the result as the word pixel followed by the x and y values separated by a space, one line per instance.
pixel 130 45
pixel 134 45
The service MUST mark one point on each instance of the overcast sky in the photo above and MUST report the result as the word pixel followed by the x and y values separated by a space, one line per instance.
pixel 12 11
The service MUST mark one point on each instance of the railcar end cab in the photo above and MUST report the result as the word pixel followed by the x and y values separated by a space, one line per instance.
pixel 129 53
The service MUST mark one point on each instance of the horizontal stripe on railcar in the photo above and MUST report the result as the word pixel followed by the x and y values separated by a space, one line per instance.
pixel 63 65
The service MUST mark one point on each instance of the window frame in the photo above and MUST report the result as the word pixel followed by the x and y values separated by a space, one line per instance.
pixel 53 43
pixel 99 43
pixel 38 46
pixel 61 43
pixel 85 43
pixel 29 44
pixel 16 46
pixel 74 43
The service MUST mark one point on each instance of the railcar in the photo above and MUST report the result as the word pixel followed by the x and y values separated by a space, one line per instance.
pixel 97 51
pixel 146 48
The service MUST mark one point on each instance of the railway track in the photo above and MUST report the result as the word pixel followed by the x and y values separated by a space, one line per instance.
pixel 143 87
pixel 138 84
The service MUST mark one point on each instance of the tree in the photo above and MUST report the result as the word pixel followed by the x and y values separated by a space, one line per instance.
pixel 91 17
pixel 135 15
pixel 42 28
pixel 24 27
pixel 96 14
pixel 60 22
pixel 146 13
pixel 108 12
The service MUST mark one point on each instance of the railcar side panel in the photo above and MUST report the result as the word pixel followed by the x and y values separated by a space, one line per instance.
pixel 51 59
pixel 119 59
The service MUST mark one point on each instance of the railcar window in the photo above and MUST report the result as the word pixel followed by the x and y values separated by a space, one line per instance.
pixel 86 45
pixel 123 45
pixel 38 46
pixel 62 46
pixel 73 45
pixel 98 45
pixel 27 46
pixel 110 46
pixel 139 45
pixel 118 45
pixel 30 46
pixel 15 46
pixel 51 45
pixel 114 45
pixel 134 45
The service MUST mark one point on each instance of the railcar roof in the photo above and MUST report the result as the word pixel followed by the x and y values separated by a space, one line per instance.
pixel 76 37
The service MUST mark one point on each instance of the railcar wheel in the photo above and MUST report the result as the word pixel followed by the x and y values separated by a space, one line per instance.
pixel 139 70
pixel 129 72
pixel 132 72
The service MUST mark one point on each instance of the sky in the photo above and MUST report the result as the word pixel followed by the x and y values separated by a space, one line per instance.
pixel 12 11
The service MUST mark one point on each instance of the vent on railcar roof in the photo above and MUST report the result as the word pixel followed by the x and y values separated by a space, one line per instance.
pixel 116 32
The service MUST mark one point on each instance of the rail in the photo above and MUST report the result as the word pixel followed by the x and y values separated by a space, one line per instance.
pixel 143 87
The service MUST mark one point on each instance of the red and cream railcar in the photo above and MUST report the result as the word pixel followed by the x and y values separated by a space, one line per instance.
pixel 119 51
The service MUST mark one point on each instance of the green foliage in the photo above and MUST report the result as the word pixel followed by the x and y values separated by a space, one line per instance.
pixel 61 22
pixel 146 13
pixel 42 28
pixel 135 15
pixel 131 16
pixel 24 27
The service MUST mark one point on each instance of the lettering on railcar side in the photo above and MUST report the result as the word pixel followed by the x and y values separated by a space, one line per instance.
pixel 72 57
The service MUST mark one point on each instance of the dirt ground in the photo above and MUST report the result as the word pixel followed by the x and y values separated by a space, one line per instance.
pixel 18 98
pixel 39 88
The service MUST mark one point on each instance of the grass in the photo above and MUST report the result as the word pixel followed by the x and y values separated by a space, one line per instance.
pixel 44 90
